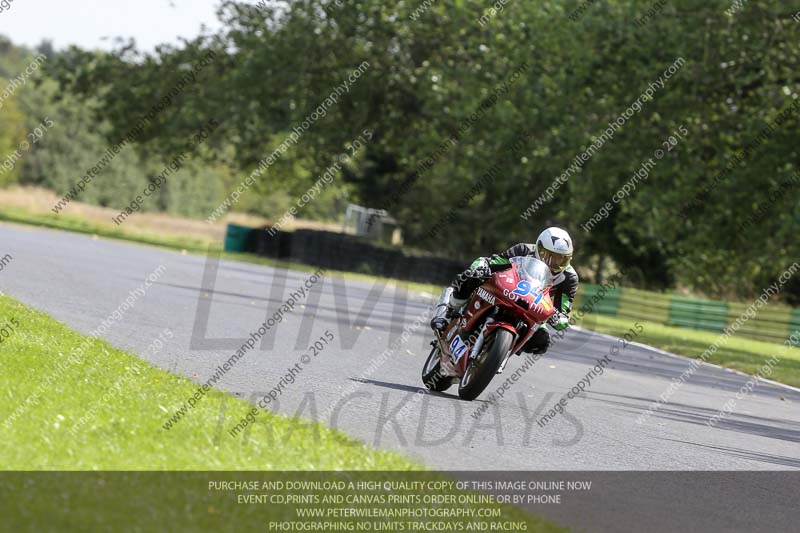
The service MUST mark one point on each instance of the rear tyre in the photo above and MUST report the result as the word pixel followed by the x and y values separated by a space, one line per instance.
pixel 483 368
pixel 432 375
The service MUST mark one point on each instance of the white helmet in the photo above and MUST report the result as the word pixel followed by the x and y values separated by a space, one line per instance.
pixel 554 247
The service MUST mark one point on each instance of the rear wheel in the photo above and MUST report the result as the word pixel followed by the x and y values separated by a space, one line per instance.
pixel 432 375
pixel 483 368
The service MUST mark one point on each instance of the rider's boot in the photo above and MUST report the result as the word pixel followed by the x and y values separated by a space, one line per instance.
pixel 448 306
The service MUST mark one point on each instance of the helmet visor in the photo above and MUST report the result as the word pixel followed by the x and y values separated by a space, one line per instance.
pixel 557 262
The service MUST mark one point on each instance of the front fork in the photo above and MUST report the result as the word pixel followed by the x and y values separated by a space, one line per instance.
pixel 444 304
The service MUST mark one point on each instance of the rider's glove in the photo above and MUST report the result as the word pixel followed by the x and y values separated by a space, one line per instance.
pixel 559 321
pixel 480 269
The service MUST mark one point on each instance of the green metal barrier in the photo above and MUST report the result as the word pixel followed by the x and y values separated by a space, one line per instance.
pixel 639 304
pixel 601 300
pixel 794 328
pixel 771 322
pixel 709 315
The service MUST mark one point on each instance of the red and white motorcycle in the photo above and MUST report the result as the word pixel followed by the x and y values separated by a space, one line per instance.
pixel 495 323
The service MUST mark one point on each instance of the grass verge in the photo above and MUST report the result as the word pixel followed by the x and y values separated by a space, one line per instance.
pixel 119 403
pixel 125 401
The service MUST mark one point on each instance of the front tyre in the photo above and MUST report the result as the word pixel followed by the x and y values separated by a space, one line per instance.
pixel 432 375
pixel 482 369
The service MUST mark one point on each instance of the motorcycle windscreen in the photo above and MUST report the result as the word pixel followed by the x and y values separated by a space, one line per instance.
pixel 533 271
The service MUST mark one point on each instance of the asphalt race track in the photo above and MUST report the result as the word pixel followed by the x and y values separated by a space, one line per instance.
pixel 81 281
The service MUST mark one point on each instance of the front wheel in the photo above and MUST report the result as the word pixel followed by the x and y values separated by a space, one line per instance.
pixel 482 369
pixel 432 375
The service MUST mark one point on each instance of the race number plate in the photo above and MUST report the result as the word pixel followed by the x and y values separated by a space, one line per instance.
pixel 457 348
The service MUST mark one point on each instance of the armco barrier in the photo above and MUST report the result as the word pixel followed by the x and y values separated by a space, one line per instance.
pixel 794 328
pixel 696 313
pixel 607 304
pixel 773 323
pixel 770 324
pixel 635 304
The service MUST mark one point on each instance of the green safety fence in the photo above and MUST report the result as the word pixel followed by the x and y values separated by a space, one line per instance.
pixel 597 299
pixel 636 303
pixel 772 323
pixel 794 328
pixel 697 313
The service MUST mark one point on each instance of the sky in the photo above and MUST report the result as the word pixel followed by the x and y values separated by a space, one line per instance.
pixel 93 24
